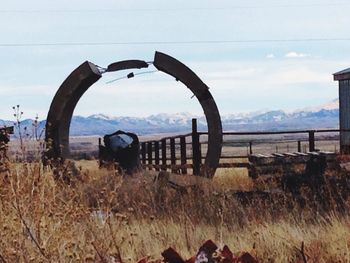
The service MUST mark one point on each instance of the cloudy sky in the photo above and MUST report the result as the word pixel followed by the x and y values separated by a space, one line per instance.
pixel 264 54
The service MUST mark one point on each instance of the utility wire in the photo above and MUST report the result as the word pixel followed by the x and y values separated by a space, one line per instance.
pixel 171 9
pixel 131 75
pixel 185 42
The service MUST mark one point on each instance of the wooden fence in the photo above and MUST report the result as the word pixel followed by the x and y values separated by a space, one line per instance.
pixel 183 152
pixel 7 130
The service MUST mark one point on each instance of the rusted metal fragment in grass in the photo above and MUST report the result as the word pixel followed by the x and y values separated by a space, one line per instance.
pixel 171 256
pixel 209 253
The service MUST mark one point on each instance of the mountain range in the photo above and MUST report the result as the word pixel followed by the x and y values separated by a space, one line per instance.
pixel 322 116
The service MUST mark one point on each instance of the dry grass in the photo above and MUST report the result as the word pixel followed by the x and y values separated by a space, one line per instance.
pixel 233 179
pixel 102 214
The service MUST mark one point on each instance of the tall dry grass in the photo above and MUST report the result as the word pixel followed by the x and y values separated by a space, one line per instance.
pixel 101 215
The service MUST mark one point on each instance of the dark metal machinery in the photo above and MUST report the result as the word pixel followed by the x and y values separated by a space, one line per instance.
pixel 83 77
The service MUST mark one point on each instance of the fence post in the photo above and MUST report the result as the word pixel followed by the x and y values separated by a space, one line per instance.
pixel 143 152
pixel 311 141
pixel 163 142
pixel 250 147
pixel 299 146
pixel 149 153
pixel 183 154
pixel 172 154
pixel 196 151
pixel 156 155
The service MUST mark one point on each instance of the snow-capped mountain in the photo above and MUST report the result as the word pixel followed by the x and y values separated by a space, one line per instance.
pixel 323 116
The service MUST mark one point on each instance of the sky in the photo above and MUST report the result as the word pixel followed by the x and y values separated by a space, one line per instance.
pixel 253 55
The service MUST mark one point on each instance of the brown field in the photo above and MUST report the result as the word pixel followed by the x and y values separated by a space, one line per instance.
pixel 97 214
pixel 100 214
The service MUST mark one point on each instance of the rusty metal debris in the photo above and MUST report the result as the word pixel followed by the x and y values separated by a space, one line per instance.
pixel 209 253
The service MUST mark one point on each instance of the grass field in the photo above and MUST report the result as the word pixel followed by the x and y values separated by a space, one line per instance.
pixel 99 215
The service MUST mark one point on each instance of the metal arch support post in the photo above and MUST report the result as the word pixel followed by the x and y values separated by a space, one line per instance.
pixel 182 73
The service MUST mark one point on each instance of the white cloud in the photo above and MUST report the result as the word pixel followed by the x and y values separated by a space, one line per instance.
pixel 270 56
pixel 294 54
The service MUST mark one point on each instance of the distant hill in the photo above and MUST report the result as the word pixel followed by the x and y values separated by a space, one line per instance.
pixel 323 116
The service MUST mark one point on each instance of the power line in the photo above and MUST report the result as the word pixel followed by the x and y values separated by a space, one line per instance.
pixel 171 9
pixel 131 75
pixel 185 42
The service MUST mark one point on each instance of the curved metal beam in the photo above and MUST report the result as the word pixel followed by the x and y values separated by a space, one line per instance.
pixel 126 64
pixel 62 108
pixel 182 73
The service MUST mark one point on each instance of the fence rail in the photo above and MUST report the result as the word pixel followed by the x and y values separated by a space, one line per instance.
pixel 183 152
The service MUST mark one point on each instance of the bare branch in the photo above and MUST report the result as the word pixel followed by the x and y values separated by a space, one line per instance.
pixel 19 212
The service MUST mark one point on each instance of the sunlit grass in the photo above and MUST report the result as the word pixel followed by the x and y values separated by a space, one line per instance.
pixel 103 214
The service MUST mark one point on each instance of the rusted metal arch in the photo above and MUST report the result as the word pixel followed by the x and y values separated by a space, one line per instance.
pixel 83 77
